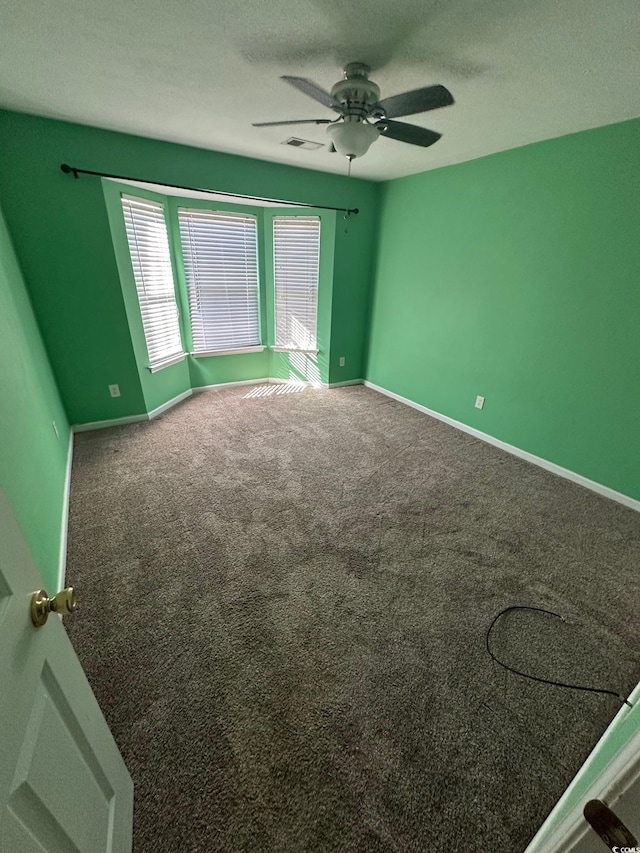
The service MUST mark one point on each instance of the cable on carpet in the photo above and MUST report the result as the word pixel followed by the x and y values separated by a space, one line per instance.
pixel 535 677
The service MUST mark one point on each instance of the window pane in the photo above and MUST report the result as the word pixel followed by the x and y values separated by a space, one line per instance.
pixel 220 260
pixel 296 251
pixel 151 262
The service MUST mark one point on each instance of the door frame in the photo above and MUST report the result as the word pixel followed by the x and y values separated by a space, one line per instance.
pixel 64 526
pixel 566 828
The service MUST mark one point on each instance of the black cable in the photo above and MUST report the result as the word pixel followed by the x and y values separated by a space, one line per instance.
pixel 73 170
pixel 535 677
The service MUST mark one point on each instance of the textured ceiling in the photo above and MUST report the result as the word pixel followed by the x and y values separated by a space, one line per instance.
pixel 201 71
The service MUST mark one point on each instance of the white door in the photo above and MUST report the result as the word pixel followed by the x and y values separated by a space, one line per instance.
pixel 64 787
pixel 610 774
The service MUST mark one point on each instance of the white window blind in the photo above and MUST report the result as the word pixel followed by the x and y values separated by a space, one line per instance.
pixel 296 251
pixel 151 261
pixel 220 261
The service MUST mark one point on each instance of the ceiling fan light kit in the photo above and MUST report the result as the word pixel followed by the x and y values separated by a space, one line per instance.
pixel 363 117
pixel 352 137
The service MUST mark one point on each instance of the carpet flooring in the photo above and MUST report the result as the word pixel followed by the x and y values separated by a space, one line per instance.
pixel 284 599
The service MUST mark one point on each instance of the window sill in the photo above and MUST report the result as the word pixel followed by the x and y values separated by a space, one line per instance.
pixel 295 349
pixel 239 351
pixel 154 368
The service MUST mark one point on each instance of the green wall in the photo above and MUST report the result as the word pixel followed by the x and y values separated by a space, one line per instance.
pixel 168 383
pixel 33 460
pixel 72 274
pixel 517 277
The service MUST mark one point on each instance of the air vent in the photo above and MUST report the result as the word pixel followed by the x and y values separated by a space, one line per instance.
pixel 303 143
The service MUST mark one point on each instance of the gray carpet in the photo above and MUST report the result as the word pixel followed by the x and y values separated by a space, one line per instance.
pixel 284 601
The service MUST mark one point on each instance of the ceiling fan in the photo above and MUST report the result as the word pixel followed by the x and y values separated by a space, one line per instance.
pixel 362 117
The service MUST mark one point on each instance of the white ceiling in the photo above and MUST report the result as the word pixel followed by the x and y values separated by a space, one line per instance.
pixel 200 71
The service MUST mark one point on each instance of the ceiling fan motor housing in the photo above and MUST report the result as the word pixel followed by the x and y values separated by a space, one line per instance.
pixel 356 92
pixel 363 117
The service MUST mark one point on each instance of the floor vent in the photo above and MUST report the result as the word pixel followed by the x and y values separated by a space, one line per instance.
pixel 302 143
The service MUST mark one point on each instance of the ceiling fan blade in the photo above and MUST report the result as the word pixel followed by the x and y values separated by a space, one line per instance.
pixel 410 133
pixel 417 101
pixel 314 91
pixel 294 121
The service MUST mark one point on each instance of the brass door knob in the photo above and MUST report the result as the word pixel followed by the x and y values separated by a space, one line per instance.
pixel 41 605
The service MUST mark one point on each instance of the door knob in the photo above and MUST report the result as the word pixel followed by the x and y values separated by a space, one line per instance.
pixel 41 605
pixel 609 826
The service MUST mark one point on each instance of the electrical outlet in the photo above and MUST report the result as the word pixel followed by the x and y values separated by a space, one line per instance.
pixel 114 390
pixel 479 402
pixel 341 361
pixel 55 429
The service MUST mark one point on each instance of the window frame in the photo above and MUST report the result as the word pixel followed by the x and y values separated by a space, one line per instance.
pixel 174 358
pixel 328 223
pixel 202 370
pixel 173 205
pixel 283 347
pixel 113 192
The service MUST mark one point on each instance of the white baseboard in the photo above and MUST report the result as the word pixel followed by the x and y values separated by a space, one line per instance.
pixel 343 384
pixel 264 381
pixel 303 383
pixel 130 419
pixel 169 404
pixel 307 383
pixel 133 419
pixel 64 524
pixel 516 451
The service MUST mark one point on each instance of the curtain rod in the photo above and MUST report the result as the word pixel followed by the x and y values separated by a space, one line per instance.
pixel 72 170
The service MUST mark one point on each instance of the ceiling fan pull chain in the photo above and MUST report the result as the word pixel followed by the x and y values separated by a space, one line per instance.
pixel 349 193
